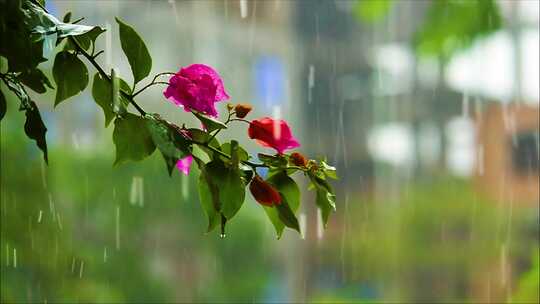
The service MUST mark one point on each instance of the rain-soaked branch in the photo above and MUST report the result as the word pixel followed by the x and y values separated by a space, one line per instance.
pixel 103 74
pixel 130 97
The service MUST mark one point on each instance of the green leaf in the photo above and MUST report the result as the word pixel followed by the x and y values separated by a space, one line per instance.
pixel 209 198
pixel 286 215
pixel 203 137
pixel 36 80
pixel 39 21
pixel 102 93
pixel 290 195
pixel 450 27
pixel 136 51
pixel 170 162
pixel 247 173
pixel 167 138
pixel 22 53
pixel 3 105
pixel 85 39
pixel 231 188
pixel 326 201
pixel 325 197
pixel 70 75
pixel 67 17
pixel 240 152
pixel 69 29
pixel 132 138
pixel 372 11
pixel 35 128
pixel 17 43
pixel 18 89
pixel 328 170
pixel 209 123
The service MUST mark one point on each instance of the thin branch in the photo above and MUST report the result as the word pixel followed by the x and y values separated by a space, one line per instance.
pixel 161 74
pixel 103 74
pixel 92 52
pixel 100 70
pixel 147 86
pixel 78 20
pixel 98 53
pixel 218 130
pixel 242 120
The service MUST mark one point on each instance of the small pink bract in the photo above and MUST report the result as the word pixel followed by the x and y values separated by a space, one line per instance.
pixel 184 164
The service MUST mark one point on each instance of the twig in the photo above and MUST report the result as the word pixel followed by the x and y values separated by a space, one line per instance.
pixel 103 74
pixel 147 86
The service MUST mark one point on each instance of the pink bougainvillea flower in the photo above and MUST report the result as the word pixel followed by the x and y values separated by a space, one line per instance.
pixel 184 164
pixel 272 133
pixel 196 87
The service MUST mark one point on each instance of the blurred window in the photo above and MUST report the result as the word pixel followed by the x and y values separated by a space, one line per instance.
pixel 525 153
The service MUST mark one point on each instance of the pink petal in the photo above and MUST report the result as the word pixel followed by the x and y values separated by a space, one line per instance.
pixel 195 70
pixel 184 164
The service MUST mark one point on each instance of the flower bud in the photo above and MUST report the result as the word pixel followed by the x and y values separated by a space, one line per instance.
pixel 298 159
pixel 230 106
pixel 242 110
pixel 263 192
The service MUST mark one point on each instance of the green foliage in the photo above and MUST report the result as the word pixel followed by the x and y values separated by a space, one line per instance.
pixel 85 37
pixel 167 138
pixel 3 105
pixel 66 63
pixel 81 189
pixel 225 170
pixel 17 44
pixel 528 288
pixel 449 26
pixel 85 40
pixel 135 50
pixel 35 80
pixel 200 152
pixel 170 162
pixel 67 29
pixel 18 89
pixel 229 185
pixel 452 25
pixel 39 21
pixel 372 10
pixel 284 214
pixel 209 198
pixel 273 160
pixel 132 139
pixel 329 171
pixel 67 17
pixel 240 153
pixel 103 95
pixel 35 128
pixel 325 197
pixel 209 123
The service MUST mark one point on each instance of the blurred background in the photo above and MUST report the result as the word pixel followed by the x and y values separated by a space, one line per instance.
pixel 429 109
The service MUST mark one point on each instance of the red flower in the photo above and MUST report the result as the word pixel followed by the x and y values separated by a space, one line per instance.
pixel 273 134
pixel 263 192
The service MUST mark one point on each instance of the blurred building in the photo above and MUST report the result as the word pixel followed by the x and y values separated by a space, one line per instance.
pixel 507 168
